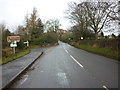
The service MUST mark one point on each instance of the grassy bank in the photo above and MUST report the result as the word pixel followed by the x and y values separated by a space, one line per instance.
pixel 102 51
pixel 13 56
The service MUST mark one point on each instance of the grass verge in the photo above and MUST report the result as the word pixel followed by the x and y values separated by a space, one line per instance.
pixel 102 51
pixel 13 57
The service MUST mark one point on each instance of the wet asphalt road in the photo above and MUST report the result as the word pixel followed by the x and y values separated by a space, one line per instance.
pixel 64 66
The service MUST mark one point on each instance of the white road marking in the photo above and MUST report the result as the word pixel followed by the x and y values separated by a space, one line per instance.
pixel 66 51
pixel 26 77
pixel 23 81
pixel 76 61
pixel 105 87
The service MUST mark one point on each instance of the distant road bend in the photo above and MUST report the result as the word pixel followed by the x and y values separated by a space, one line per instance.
pixel 64 66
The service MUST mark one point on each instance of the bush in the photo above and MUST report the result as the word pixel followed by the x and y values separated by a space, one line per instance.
pixel 111 44
pixel 50 39
pixel 13 56
pixel 21 45
pixel 44 40
pixel 7 52
pixel 37 41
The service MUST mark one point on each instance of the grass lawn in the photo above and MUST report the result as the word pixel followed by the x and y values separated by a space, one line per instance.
pixel 102 51
pixel 13 57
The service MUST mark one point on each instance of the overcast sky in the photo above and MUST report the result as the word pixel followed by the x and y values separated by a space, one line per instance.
pixel 12 12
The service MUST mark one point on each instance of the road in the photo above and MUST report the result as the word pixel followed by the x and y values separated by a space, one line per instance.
pixel 64 66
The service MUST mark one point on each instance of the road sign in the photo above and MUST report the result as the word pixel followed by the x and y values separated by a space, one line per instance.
pixel 13 44
pixel 13 38
pixel 81 37
pixel 27 43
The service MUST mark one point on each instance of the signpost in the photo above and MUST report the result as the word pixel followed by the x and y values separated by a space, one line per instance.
pixel 27 43
pixel 13 41
pixel 15 38
pixel 81 37
pixel 13 45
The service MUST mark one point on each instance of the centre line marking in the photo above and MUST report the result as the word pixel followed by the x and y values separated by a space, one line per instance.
pixel 66 51
pixel 76 61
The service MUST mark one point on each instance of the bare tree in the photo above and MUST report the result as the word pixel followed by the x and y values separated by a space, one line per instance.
pixel 78 16
pixel 52 25
pixel 115 11
pixel 91 15
pixel 98 14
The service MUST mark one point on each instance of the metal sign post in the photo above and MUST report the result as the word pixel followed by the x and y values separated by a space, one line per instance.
pixel 13 50
pixel 27 43
pixel 13 44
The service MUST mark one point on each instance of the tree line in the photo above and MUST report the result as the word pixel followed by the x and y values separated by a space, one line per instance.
pixel 34 31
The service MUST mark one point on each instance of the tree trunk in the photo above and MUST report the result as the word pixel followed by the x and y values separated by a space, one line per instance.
pixel 96 36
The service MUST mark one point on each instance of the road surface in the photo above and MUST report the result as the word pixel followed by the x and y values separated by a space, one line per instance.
pixel 64 66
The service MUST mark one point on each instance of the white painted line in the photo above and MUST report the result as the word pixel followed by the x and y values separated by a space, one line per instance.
pixel 26 77
pixel 105 87
pixel 76 61
pixel 23 81
pixel 66 51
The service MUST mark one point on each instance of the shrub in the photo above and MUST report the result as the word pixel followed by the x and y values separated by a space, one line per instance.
pixel 7 52
pixel 13 56
pixel 50 39
pixel 21 45
pixel 44 40
pixel 102 43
